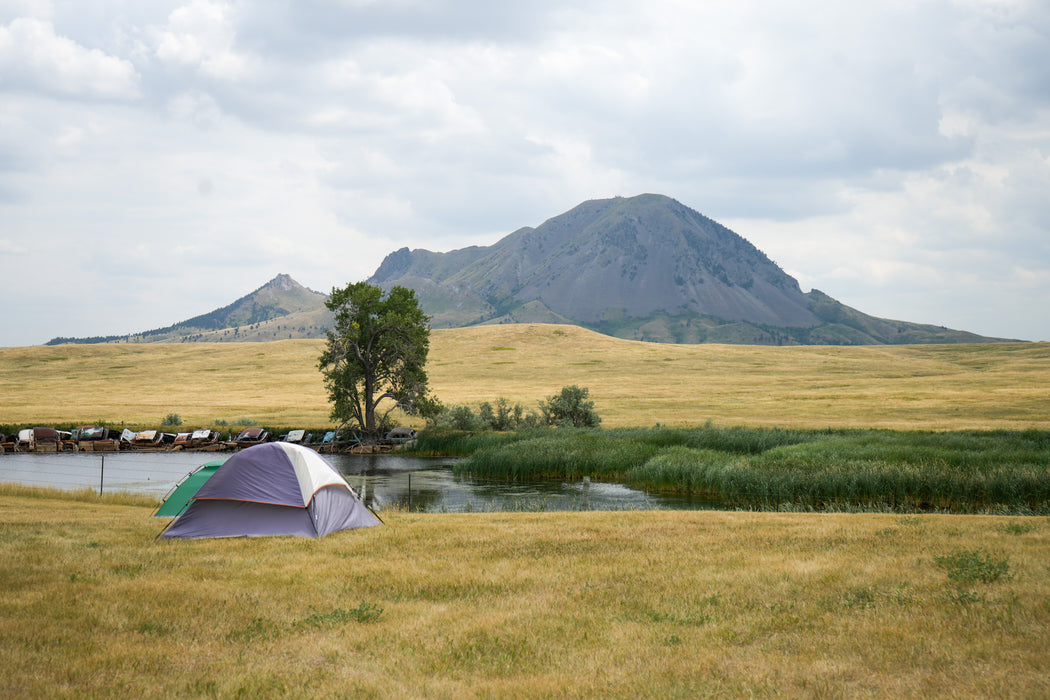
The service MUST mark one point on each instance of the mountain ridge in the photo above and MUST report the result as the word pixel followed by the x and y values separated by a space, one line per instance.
pixel 641 268
pixel 280 309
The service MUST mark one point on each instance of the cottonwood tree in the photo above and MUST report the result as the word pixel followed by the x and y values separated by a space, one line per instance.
pixel 375 357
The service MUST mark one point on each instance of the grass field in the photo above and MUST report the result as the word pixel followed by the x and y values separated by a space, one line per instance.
pixel 943 387
pixel 582 604
pixel 639 604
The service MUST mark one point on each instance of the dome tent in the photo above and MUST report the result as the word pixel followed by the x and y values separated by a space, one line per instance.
pixel 276 488
pixel 180 497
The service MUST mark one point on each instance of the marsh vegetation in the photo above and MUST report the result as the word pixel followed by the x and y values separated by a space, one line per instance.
pixel 782 469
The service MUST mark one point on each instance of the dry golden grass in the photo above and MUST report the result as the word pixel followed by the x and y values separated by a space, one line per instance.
pixel 138 385
pixel 640 604
pixel 633 384
pixel 641 384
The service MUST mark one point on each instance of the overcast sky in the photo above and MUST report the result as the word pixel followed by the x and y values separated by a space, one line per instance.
pixel 159 160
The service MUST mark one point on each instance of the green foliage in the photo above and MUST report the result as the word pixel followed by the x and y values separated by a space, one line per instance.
pixel 427 407
pixel 462 418
pixel 500 417
pixel 558 454
pixel 973 565
pixel 365 612
pixel 376 357
pixel 968 471
pixel 571 408
pixel 1016 528
pixel 446 441
pixel 245 422
pixel 173 419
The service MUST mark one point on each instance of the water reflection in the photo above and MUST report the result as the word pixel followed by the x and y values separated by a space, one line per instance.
pixel 414 483
pixel 431 486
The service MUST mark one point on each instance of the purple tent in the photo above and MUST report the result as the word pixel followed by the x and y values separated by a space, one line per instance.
pixel 276 488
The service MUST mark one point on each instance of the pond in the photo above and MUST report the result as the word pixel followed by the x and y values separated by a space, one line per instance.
pixel 382 481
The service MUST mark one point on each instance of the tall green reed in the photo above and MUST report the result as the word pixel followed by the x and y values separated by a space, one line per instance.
pixel 964 471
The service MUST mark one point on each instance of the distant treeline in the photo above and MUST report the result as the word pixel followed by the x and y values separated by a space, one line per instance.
pixel 94 340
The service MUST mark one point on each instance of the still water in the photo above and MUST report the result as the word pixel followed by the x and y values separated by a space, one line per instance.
pixel 420 484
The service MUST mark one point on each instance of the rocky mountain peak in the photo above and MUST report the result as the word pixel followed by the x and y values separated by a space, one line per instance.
pixel 283 282
pixel 605 261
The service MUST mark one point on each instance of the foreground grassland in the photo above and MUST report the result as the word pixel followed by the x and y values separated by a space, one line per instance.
pixel 639 604
pixel 943 387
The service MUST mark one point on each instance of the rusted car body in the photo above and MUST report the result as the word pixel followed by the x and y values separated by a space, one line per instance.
pixel 252 436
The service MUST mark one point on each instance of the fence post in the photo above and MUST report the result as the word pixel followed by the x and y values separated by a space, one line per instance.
pixel 101 474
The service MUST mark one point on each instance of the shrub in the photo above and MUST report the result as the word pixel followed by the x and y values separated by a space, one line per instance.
pixel 969 566
pixel 571 408
pixel 500 417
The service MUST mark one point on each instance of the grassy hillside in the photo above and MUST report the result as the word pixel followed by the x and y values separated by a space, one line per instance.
pixel 633 383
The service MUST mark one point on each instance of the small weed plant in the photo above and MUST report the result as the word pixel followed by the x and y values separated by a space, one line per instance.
pixel 1016 528
pixel 967 566
pixel 365 612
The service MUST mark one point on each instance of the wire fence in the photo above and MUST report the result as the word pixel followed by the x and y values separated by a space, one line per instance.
pixel 108 472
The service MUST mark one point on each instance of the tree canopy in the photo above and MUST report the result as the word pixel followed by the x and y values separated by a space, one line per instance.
pixel 375 357
pixel 571 408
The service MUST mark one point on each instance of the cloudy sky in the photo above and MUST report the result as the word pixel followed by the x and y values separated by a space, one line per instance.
pixel 160 159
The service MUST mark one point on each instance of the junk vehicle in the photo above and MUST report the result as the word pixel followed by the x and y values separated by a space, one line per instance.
pixel 252 436
pixel 41 439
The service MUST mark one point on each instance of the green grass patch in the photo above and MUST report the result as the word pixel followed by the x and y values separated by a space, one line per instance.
pixel 974 565
pixel 365 612
pixel 1016 528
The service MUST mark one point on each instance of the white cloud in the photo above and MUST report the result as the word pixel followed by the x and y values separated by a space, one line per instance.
pixel 34 58
pixel 202 35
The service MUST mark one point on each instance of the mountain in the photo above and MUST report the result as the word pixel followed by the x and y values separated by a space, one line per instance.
pixel 282 308
pixel 643 268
